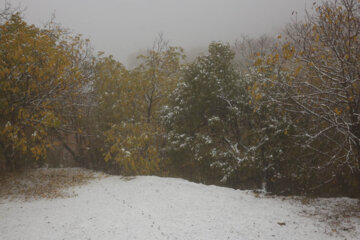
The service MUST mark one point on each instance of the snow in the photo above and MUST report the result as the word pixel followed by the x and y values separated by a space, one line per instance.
pixel 165 208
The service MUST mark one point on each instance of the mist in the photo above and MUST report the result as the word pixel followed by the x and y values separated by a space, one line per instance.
pixel 123 27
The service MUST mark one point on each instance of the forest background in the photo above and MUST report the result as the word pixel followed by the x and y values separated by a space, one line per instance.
pixel 279 113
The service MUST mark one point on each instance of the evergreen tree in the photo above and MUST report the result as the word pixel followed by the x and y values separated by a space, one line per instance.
pixel 208 118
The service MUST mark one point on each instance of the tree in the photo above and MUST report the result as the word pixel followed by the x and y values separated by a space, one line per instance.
pixel 327 45
pixel 248 49
pixel 37 75
pixel 120 125
pixel 158 73
pixel 208 118
pixel 129 143
pixel 314 80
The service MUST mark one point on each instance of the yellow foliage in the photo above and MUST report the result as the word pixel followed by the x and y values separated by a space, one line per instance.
pixel 337 111
pixel 35 73
pixel 134 147
pixel 288 51
pixel 258 62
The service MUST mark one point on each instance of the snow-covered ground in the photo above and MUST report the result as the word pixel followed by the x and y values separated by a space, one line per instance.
pixel 165 208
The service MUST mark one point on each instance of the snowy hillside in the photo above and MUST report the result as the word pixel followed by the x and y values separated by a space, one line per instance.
pixel 165 208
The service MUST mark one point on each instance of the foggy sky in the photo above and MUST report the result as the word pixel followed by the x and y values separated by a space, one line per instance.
pixel 122 27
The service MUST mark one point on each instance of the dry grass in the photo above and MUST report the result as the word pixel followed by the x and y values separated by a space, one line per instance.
pixel 342 215
pixel 44 183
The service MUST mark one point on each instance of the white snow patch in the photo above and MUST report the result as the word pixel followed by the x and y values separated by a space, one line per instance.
pixel 162 208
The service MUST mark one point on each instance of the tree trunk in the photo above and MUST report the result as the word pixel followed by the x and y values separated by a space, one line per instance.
pixel 10 164
pixel 149 111
pixel 73 154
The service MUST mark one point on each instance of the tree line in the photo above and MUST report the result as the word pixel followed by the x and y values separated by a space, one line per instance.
pixel 280 113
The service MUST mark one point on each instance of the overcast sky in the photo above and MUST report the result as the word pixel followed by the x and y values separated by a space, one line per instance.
pixel 122 27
